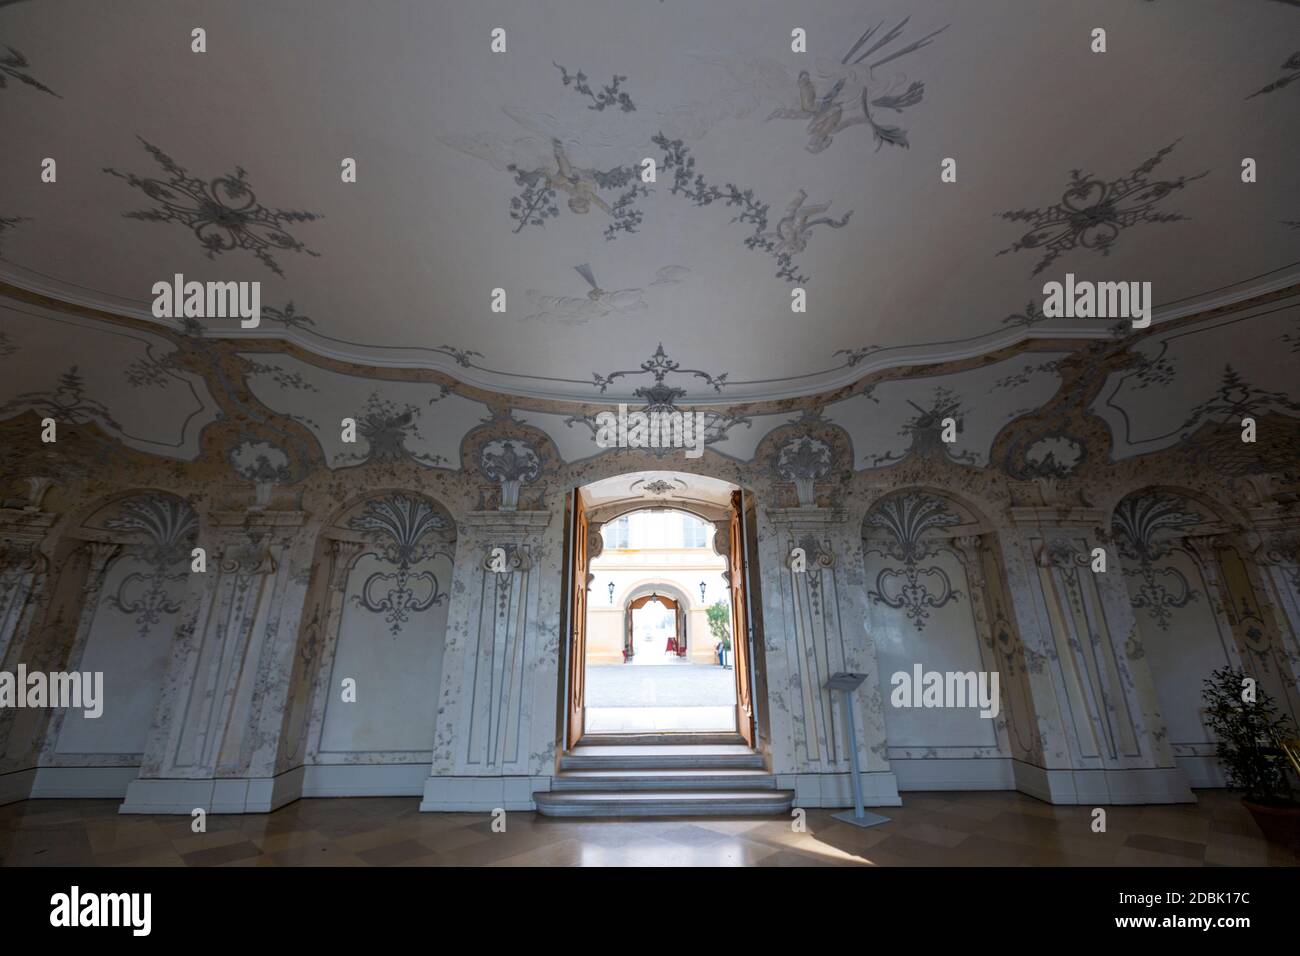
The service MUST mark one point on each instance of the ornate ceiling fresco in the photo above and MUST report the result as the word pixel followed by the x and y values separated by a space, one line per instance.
pixel 521 171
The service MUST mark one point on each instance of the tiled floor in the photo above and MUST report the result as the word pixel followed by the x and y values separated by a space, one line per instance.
pixel 961 829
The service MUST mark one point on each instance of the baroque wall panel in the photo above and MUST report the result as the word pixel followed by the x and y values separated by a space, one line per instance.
pixel 303 590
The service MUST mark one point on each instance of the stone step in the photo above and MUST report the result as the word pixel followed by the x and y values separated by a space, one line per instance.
pixel 690 779
pixel 689 738
pixel 664 803
pixel 661 757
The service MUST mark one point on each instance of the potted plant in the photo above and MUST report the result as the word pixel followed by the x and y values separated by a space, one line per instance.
pixel 719 620
pixel 1250 737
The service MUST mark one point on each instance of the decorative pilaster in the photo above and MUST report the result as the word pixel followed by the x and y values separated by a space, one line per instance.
pixel 1260 627
pixel 495 738
pixel 1001 642
pixel 811 614
pixel 1104 741
pixel 33 629
pixel 322 642
pixel 23 570
pixel 214 737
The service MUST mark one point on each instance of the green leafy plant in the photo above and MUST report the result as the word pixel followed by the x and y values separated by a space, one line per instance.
pixel 1248 732
pixel 720 622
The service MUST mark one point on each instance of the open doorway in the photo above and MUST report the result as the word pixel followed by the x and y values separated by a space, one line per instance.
pixel 659 636
pixel 655 658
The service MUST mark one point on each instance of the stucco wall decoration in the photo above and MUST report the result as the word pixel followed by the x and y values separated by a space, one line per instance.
pixel 398 528
pixel 1140 523
pixel 170 527
pixel 914 588
pixel 948 458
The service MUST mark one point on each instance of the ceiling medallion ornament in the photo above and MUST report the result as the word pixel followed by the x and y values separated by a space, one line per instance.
pixel 1093 212
pixel 223 213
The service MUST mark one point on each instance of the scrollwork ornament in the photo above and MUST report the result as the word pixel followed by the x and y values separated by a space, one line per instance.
pixel 404 531
pixel 915 589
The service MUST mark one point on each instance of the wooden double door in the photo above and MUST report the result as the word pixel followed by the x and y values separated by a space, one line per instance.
pixel 576 625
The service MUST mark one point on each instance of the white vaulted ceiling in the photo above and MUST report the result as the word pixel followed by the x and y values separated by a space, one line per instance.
pixel 398 268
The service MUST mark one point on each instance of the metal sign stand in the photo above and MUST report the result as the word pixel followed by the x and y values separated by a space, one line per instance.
pixel 847 682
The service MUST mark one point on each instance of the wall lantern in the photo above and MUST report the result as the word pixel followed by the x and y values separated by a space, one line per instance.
pixel 611 592
pixel 703 587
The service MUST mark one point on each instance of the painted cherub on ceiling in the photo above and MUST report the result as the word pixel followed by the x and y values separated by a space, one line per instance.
pixel 598 303
pixel 593 149
pixel 541 186
pixel 585 156
pixel 828 95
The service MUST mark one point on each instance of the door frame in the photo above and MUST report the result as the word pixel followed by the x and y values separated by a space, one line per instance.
pixel 732 527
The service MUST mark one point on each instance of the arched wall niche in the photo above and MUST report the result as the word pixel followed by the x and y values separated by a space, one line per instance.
pixel 128 574
pixel 937 599
pixel 369 654
pixel 1200 603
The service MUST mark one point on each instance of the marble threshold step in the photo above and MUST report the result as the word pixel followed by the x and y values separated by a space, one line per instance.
pixel 661 803
pixel 659 757
pixel 684 737
pixel 688 779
